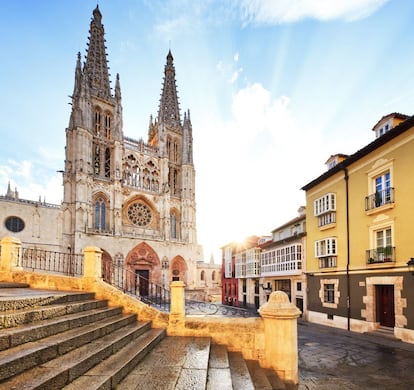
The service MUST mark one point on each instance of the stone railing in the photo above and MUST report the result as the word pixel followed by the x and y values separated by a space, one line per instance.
pixel 271 339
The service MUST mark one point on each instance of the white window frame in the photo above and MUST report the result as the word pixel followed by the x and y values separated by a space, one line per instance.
pixel 326 247
pixel 337 294
pixel 324 204
pixel 227 262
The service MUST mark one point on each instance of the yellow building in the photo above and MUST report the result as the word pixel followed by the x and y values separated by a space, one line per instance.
pixel 360 224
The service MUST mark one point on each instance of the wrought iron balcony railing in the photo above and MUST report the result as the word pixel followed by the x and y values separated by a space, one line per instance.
pixel 385 254
pixel 379 198
pixel 134 284
pixel 55 262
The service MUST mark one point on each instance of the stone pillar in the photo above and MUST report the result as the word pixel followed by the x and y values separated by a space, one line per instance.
pixel 92 266
pixel 11 251
pixel 177 299
pixel 177 309
pixel 281 336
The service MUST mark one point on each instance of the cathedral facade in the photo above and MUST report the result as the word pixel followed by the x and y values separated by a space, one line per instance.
pixel 133 199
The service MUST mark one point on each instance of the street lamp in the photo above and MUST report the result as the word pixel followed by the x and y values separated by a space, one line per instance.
pixel 410 264
pixel 267 290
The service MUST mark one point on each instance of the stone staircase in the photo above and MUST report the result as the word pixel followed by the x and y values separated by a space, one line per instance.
pixel 184 363
pixel 58 340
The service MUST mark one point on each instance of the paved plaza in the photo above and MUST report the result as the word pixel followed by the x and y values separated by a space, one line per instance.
pixel 333 359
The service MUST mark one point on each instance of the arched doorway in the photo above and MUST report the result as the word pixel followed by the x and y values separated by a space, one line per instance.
pixel 144 268
pixel 107 267
pixel 179 269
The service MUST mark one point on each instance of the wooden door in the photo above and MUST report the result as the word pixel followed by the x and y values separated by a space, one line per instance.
pixel 386 314
pixel 142 276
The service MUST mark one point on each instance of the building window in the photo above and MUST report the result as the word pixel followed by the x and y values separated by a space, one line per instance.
pixel 97 122
pixel 173 226
pixel 14 224
pixel 203 276
pixel 329 293
pixel 326 219
pixel 108 126
pixel 325 251
pixel 228 269
pixel 100 215
pixel 298 286
pixel 325 247
pixel 107 162
pixel 97 160
pixel 384 251
pixel 324 204
pixel 380 190
pixel 139 214
pixel 286 260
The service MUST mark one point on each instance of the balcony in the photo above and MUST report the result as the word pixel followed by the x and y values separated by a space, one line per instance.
pixel 384 254
pixel 379 199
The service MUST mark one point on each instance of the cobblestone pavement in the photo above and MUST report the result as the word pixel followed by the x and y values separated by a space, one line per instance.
pixel 333 359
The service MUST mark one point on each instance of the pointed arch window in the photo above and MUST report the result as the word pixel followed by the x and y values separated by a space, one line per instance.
pixel 173 226
pixel 98 122
pixel 107 162
pixel 97 159
pixel 108 126
pixel 100 214
pixel 203 276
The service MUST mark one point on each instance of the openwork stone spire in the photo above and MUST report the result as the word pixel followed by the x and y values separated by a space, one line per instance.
pixel 169 111
pixel 96 67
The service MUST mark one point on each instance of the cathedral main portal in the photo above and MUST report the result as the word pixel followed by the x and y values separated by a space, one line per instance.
pixel 144 263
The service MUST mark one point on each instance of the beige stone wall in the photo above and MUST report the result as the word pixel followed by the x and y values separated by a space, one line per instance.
pixel 43 226
pixel 244 335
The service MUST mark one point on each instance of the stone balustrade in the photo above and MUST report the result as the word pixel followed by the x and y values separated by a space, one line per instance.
pixel 271 339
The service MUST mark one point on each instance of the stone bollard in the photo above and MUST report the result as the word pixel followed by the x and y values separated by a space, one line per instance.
pixel 92 267
pixel 10 255
pixel 177 309
pixel 281 336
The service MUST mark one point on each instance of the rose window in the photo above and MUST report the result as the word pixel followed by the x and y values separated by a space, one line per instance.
pixel 139 214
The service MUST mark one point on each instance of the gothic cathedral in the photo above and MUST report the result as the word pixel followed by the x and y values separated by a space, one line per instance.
pixel 133 199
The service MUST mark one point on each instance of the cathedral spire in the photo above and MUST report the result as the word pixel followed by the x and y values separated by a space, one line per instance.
pixel 169 111
pixel 96 66
pixel 78 77
pixel 187 139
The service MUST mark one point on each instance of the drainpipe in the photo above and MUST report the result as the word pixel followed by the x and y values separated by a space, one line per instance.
pixel 348 282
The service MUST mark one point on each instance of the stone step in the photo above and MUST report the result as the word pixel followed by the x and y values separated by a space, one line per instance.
pixel 240 374
pixel 10 302
pixel 25 356
pixel 13 318
pixel 13 337
pixel 264 379
pixel 13 285
pixel 219 374
pixel 61 370
pixel 111 371
pixel 179 363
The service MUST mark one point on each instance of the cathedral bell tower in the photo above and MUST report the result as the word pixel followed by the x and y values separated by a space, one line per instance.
pixel 174 140
pixel 93 137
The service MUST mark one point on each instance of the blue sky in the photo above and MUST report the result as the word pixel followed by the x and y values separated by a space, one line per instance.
pixel 274 88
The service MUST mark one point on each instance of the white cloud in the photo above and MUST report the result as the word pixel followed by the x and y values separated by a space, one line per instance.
pixel 235 75
pixel 228 69
pixel 31 181
pixel 258 161
pixel 170 27
pixel 285 11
